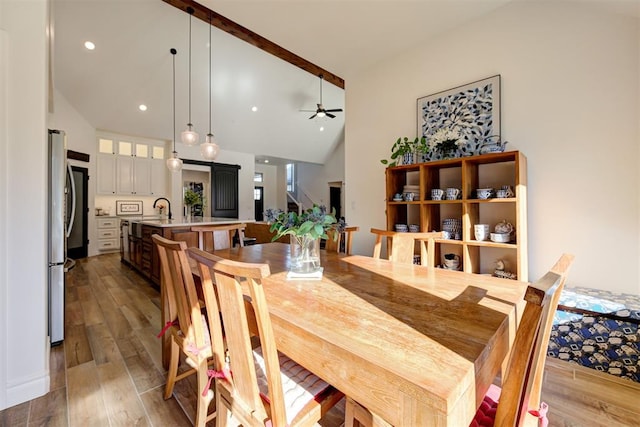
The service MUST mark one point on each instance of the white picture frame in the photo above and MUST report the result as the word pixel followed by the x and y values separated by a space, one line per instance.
pixel 128 207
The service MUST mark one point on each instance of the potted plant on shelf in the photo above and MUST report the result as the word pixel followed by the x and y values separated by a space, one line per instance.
pixel 406 152
pixel 305 231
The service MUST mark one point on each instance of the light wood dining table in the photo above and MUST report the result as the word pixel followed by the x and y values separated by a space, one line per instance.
pixel 418 346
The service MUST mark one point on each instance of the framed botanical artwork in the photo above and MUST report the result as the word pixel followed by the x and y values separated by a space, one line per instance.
pixel 470 111
pixel 128 207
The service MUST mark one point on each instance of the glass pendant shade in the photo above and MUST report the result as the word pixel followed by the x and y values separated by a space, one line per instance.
pixel 209 148
pixel 174 164
pixel 189 137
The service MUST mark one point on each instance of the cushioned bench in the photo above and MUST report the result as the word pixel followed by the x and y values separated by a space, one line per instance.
pixel 598 329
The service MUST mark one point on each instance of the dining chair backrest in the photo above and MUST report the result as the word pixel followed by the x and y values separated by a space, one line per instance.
pixel 243 385
pixel 401 246
pixel 221 236
pixel 253 393
pixel 190 331
pixel 334 244
pixel 179 286
pixel 523 377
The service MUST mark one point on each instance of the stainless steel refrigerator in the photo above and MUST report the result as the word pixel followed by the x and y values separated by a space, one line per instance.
pixel 58 232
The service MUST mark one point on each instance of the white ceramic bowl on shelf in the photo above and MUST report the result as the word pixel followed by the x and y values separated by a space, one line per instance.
pixel 501 237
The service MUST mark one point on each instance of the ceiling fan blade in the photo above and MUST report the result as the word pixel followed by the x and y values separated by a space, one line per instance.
pixel 308 111
pixel 330 115
pixel 335 110
pixel 313 117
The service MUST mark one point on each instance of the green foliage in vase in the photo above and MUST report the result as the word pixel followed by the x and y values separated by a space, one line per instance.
pixel 192 198
pixel 313 222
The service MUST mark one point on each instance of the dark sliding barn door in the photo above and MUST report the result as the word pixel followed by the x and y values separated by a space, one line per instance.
pixel 224 189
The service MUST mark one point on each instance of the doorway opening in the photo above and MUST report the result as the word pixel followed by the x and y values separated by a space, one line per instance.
pixel 78 241
pixel 335 198
pixel 198 179
pixel 258 198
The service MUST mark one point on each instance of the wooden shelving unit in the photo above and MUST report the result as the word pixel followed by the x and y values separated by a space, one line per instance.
pixel 467 174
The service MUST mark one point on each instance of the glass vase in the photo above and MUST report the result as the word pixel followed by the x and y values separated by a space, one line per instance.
pixel 305 255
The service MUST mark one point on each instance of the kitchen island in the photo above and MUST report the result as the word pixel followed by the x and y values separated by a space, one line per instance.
pixel 138 251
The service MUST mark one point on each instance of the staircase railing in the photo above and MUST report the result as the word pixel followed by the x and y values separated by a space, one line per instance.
pixel 301 203
pixel 292 199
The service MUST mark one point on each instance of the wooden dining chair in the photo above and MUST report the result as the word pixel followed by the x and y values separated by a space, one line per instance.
pixel 518 402
pixel 187 325
pixel 334 244
pixel 265 387
pixel 401 246
pixel 221 236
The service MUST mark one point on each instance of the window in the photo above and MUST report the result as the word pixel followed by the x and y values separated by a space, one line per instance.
pixel 291 167
pixel 257 177
pixel 256 194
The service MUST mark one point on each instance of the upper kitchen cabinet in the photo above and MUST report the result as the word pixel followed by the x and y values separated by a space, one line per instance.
pixel 106 166
pixel 127 166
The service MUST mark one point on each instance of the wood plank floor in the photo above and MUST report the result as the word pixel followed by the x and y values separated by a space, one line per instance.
pixel 108 371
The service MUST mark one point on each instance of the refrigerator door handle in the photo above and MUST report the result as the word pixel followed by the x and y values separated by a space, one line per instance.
pixel 73 200
pixel 69 264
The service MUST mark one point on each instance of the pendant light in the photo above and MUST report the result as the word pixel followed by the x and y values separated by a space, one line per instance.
pixel 209 148
pixel 189 136
pixel 174 164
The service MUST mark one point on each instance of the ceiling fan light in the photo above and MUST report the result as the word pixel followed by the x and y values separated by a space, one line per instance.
pixel 209 149
pixel 174 163
pixel 320 114
pixel 189 136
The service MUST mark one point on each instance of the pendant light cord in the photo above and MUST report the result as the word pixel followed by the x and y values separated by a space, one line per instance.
pixel 190 11
pixel 173 53
pixel 210 74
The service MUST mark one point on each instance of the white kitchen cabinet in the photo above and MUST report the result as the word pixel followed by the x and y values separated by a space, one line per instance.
pixel 108 233
pixel 124 174
pixel 158 177
pixel 133 176
pixel 106 166
pixel 130 167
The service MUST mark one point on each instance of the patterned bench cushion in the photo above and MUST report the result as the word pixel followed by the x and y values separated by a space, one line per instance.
pixel 598 329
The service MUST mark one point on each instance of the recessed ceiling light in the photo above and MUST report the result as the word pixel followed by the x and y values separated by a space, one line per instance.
pixel 89 45
pixel 254 108
pixel 142 107
pixel 266 160
pixel 321 128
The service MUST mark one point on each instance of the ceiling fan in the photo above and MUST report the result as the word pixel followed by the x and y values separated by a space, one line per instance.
pixel 320 111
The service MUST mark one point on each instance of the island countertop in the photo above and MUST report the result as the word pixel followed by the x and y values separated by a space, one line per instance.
pixel 139 251
pixel 186 222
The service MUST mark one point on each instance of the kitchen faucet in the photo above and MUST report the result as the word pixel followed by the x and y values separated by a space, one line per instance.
pixel 168 202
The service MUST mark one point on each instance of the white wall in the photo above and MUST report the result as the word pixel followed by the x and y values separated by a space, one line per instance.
pixel 570 88
pixel 24 367
pixel 314 179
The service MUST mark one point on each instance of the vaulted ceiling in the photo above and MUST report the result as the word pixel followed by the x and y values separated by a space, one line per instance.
pixel 131 64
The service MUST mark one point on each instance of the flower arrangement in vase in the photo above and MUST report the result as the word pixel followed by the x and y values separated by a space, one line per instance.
pixel 271 214
pixel 305 231
pixel 446 141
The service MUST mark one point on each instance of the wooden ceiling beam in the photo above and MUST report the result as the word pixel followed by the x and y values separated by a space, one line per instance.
pixel 237 30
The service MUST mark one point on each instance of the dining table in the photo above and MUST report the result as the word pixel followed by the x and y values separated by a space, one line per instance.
pixel 417 346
